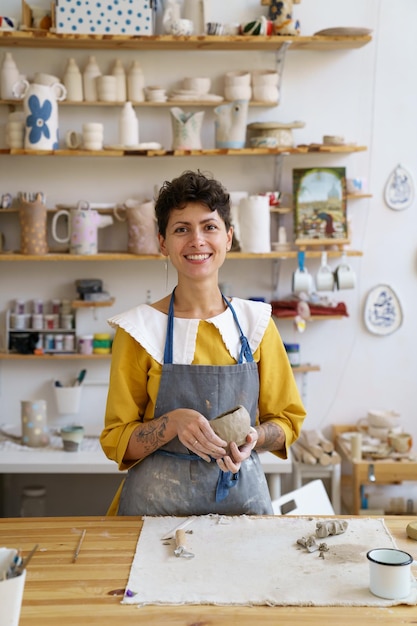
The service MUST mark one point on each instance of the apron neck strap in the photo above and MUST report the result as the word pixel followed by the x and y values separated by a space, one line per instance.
pixel 245 351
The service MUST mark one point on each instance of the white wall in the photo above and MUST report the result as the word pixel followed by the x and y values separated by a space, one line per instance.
pixel 368 95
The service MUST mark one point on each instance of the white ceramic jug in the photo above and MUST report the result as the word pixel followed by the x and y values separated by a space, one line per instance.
pixel 186 129
pixel 41 113
pixel 230 124
pixel 142 228
pixel 83 225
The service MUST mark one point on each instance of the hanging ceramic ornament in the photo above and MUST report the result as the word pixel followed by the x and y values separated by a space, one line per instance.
pixel 399 189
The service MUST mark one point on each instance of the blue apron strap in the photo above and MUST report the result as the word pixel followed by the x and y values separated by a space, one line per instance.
pixel 168 353
pixel 245 351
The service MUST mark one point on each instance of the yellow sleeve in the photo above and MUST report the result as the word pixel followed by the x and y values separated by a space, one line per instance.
pixel 279 398
pixel 133 388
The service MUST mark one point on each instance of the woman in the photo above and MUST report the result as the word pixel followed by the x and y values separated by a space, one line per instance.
pixel 182 361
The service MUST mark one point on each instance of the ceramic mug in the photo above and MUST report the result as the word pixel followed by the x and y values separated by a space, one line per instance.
pixel 302 281
pixel 72 437
pixel 400 442
pixel 181 27
pixel 389 573
pixel 73 140
pixel 324 277
pixel 93 136
pixel 345 277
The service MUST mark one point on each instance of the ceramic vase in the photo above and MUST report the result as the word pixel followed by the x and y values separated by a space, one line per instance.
pixel 230 124
pixel 40 107
pixel 186 129
pixel 33 233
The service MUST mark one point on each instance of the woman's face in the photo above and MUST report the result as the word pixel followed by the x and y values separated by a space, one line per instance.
pixel 196 240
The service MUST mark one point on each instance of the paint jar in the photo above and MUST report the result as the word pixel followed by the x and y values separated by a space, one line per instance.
pixel 85 344
pixel 33 501
pixel 293 352
pixel 102 343
pixel 69 343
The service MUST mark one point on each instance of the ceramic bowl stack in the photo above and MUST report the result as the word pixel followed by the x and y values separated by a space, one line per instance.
pixel 195 89
pixel 237 86
pixel 154 93
pixel 380 424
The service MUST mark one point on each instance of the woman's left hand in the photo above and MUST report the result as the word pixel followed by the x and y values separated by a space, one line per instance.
pixel 233 461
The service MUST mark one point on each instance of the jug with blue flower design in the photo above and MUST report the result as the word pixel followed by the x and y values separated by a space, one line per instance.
pixel 40 107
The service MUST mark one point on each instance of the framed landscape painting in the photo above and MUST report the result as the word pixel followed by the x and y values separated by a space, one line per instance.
pixel 320 206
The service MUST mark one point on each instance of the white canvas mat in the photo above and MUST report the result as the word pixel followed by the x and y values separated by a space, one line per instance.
pixel 256 561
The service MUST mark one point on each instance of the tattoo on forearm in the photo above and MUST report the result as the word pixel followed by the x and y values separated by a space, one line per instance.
pixel 151 435
pixel 271 437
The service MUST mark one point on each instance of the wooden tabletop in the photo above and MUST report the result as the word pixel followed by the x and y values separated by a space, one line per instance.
pixel 59 592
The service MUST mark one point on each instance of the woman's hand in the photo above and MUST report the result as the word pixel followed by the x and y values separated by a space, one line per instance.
pixel 233 461
pixel 196 434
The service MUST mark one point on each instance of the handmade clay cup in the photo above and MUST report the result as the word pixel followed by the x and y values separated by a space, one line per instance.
pixel 389 573
pixel 72 437
pixel 400 442
pixel 237 92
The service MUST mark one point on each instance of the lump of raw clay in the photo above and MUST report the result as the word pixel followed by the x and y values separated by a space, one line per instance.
pixel 330 527
pixel 233 425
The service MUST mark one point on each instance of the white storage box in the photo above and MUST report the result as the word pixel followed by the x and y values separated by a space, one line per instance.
pixel 104 17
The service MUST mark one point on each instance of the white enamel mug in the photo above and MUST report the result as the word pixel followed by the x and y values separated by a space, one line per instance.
pixel 324 277
pixel 389 573
pixel 302 281
pixel 344 276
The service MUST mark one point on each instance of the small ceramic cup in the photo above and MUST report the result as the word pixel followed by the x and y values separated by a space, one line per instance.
pixel 265 78
pixel 237 78
pixel 400 442
pixel 93 136
pixel 214 28
pixel 72 437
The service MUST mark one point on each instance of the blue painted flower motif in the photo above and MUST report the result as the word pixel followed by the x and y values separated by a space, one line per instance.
pixel 38 118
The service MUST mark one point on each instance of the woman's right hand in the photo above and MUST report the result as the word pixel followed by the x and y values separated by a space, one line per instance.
pixel 196 434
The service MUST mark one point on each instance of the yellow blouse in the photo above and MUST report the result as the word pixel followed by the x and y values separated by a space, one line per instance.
pixel 135 377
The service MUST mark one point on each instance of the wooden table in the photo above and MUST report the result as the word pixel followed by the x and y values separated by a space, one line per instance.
pixel 59 592
pixel 371 471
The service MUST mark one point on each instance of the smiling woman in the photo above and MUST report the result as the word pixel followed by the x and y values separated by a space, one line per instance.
pixel 181 362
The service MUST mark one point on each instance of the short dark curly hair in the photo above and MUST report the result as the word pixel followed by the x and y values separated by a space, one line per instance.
pixel 191 187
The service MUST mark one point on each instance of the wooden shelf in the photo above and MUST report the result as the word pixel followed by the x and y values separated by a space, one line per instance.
pixel 285 150
pixel 5 356
pixel 88 304
pixel 147 103
pixel 301 369
pixel 125 256
pixel 46 39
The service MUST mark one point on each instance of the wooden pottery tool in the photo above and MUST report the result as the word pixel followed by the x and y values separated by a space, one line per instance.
pixel 181 545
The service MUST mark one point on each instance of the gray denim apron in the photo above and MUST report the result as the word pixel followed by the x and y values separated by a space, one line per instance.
pixel 173 480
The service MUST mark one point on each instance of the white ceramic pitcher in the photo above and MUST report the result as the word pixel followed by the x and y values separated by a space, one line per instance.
pixel 83 225
pixel 41 113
